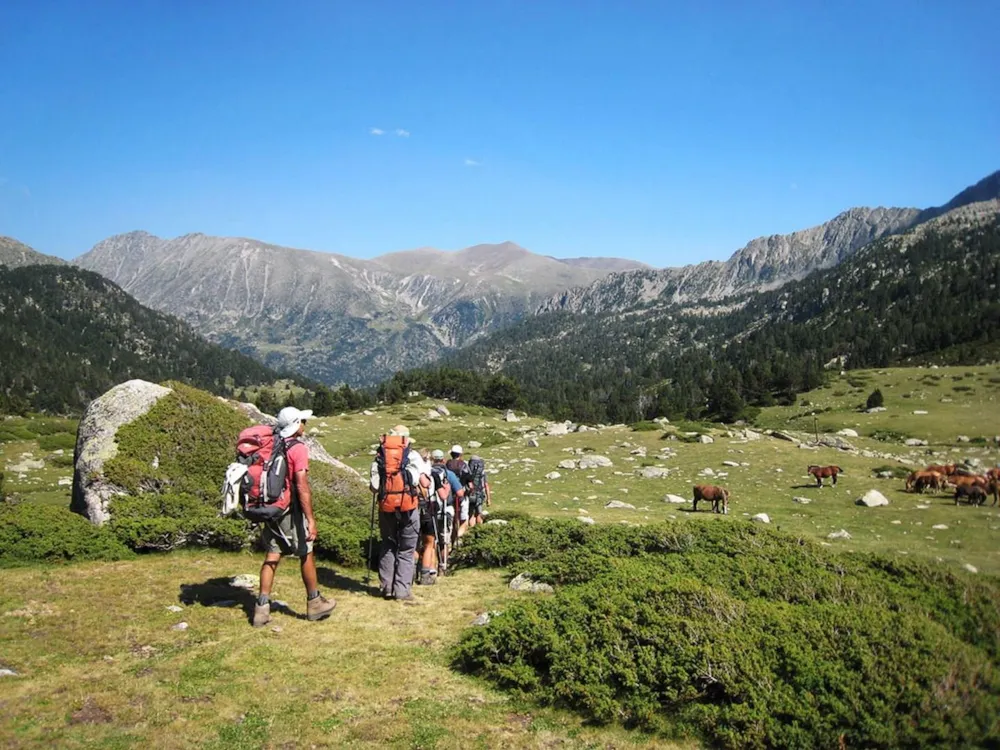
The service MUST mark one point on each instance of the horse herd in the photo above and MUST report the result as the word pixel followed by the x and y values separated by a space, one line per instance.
pixel 973 488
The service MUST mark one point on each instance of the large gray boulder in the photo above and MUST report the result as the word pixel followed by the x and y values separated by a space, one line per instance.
pixel 96 444
pixel 872 499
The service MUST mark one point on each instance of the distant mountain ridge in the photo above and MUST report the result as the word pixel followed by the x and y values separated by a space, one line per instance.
pixel 15 254
pixel 763 263
pixel 330 316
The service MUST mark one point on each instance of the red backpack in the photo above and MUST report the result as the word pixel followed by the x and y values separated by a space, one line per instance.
pixel 266 488
pixel 395 491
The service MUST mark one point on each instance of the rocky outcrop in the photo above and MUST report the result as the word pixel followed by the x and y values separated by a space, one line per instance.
pixel 96 444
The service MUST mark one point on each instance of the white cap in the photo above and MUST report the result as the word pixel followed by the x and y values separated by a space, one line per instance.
pixel 456 449
pixel 289 420
pixel 438 454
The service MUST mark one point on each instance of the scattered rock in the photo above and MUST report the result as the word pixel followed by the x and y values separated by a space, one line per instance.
pixel 497 522
pixel 8 673
pixel 914 442
pixel 802 500
pixel 872 499
pixel 553 475
pixel 175 608
pixel 963 439
pixel 939 527
pixel 510 416
pixel 65 481
pixel 596 481
pixel 276 629
pixel 885 475
pixel 875 410
pixel 180 626
pixel 555 430
pixel 834 441
pixel 246 581
pixel 474 444
pixel 761 518
pixel 676 499
pixel 733 464
pixel 707 472
pixel 971 568
pixel 594 461
pixel 567 463
pixel 896 522
pixel 442 410
pixel 842 534
pixel 706 439
pixel 432 414
pixel 532 443
pixel 620 505
pixel 848 432
pixel 654 472
pixel 368 413
pixel 524 583
pixel 482 619
pixel 585 519
pixel 785 436
pixel 919 411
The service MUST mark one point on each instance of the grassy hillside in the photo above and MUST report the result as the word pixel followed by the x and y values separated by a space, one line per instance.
pixel 85 680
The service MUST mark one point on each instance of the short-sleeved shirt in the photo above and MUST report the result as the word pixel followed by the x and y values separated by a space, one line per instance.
pixel 454 482
pixel 298 458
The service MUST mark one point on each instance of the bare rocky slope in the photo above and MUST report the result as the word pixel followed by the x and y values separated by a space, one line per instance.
pixel 764 263
pixel 330 316
pixel 15 254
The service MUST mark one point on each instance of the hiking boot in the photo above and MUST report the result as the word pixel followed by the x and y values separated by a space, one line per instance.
pixel 319 608
pixel 261 615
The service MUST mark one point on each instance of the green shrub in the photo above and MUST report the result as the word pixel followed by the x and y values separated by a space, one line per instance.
pixel 647 426
pixel 898 472
pixel 742 635
pixel 888 436
pixel 964 389
pixel 57 441
pixel 33 532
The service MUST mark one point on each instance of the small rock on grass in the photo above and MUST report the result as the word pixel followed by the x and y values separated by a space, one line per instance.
pixel 180 626
pixel 175 608
pixel 676 499
pixel 761 518
pixel 842 534
pixel 8 673
pixel 872 499
pixel 620 505
pixel 939 527
pixel 524 582
pixel 244 581
pixel 802 500
pixel 971 568
pixel 585 519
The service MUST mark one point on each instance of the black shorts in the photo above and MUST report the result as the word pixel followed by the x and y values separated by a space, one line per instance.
pixel 427 518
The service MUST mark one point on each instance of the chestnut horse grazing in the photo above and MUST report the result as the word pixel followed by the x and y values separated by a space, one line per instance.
pixel 718 496
pixel 918 481
pixel 822 472
pixel 946 469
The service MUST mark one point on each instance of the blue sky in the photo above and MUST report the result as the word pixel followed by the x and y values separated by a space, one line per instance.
pixel 667 132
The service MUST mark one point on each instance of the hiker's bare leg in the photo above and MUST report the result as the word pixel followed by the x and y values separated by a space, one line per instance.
pixel 270 565
pixel 427 558
pixel 308 567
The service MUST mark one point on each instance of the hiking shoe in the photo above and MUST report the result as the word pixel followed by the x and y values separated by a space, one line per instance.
pixel 319 608
pixel 261 615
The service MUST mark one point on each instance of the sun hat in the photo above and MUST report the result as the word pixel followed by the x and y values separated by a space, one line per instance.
pixel 290 418
pixel 456 449
pixel 438 454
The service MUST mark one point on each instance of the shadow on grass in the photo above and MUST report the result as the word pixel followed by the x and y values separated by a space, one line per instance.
pixel 218 592
pixel 331 579
pixel 811 486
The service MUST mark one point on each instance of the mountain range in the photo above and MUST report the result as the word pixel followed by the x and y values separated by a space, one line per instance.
pixel 342 319
pixel 15 254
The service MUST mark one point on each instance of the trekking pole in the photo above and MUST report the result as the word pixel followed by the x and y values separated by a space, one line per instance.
pixel 371 538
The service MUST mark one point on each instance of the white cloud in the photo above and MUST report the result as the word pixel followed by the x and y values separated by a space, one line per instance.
pixel 472 163
pixel 376 131
pixel 402 133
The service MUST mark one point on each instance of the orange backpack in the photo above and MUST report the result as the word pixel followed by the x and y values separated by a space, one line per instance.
pixel 395 491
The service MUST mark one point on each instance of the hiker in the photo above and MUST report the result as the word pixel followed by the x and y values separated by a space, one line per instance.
pixel 395 482
pixel 432 522
pixel 479 490
pixel 457 465
pixel 451 493
pixel 295 531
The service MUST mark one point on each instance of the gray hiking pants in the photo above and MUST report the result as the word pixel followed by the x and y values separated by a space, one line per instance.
pixel 395 560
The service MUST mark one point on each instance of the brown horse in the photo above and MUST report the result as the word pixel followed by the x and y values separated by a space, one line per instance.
pixel 821 472
pixel 974 493
pixel 968 480
pixel 718 496
pixel 946 469
pixel 918 481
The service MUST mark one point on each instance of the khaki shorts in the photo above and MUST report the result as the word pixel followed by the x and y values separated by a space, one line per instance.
pixel 287 535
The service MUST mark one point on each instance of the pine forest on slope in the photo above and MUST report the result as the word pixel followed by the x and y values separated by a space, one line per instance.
pixel 930 295
pixel 339 319
pixel 68 335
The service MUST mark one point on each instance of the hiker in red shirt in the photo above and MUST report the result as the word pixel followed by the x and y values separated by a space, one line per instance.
pixel 292 534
